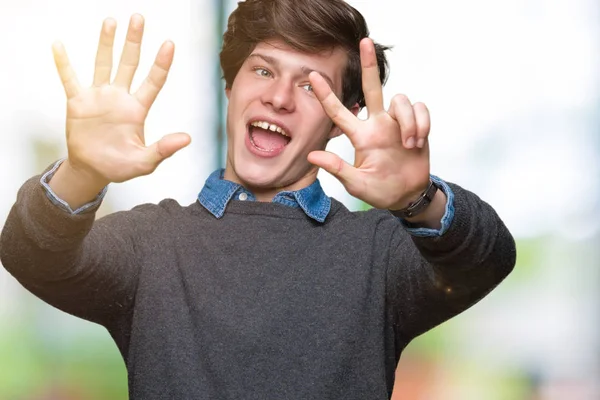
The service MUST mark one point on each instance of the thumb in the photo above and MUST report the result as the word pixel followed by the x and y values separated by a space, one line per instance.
pixel 333 164
pixel 166 147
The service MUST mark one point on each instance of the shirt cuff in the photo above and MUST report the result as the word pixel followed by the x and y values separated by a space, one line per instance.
pixel 446 219
pixel 60 202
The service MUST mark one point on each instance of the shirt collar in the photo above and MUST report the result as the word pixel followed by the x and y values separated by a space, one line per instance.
pixel 218 192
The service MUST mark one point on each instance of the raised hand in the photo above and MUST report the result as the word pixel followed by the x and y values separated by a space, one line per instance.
pixel 105 122
pixel 391 166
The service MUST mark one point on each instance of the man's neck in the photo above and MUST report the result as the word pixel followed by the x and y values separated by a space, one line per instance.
pixel 266 194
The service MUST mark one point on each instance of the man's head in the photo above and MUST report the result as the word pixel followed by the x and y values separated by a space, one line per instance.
pixel 268 49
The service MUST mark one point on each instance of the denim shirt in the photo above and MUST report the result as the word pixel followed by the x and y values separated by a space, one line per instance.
pixel 218 192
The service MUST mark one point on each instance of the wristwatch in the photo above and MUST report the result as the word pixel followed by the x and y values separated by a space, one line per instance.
pixel 418 206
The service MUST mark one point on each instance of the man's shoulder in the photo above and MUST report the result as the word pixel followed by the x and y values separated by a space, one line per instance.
pixel 166 209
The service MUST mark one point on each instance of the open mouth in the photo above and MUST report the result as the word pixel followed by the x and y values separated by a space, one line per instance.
pixel 268 137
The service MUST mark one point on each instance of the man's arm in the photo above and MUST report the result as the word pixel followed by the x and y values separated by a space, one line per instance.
pixel 433 278
pixel 50 241
pixel 439 267
pixel 86 268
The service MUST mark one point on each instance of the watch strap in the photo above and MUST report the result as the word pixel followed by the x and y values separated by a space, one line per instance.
pixel 418 206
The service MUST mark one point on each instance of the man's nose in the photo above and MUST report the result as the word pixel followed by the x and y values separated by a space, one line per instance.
pixel 280 96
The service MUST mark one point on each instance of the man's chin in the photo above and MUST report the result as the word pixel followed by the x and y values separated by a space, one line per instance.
pixel 258 177
pixel 273 174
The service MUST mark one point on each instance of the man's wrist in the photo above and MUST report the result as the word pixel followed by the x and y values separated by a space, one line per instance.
pixel 426 210
pixel 74 186
pixel 432 216
pixel 418 203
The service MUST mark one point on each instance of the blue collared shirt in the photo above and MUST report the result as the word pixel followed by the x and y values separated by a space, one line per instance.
pixel 218 192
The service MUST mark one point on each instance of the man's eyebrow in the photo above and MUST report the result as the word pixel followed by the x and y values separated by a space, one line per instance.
pixel 305 70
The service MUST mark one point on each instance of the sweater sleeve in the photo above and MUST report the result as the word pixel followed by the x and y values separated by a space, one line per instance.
pixel 84 267
pixel 432 279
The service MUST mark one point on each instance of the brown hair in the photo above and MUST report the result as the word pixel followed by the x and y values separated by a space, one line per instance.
pixel 309 26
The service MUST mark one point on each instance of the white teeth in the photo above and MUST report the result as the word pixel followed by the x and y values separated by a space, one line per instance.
pixel 267 126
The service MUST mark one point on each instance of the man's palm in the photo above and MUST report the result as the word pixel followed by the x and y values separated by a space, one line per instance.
pixel 105 123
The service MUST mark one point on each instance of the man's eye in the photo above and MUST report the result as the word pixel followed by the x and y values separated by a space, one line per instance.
pixel 262 72
pixel 308 87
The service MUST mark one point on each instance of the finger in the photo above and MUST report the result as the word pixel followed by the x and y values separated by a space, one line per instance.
pixel 165 148
pixel 402 111
pixel 157 77
pixel 423 121
pixel 104 55
pixel 130 57
pixel 371 83
pixel 333 164
pixel 65 71
pixel 334 108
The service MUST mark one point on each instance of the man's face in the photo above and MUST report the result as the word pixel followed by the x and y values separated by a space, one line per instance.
pixel 274 120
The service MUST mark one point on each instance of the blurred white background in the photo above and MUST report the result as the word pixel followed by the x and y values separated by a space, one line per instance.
pixel 513 90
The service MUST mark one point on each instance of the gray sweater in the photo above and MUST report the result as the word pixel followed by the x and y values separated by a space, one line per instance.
pixel 264 303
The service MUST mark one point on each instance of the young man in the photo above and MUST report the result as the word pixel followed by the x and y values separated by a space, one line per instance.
pixel 265 287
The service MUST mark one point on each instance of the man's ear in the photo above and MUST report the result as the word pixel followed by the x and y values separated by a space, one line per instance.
pixel 335 130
